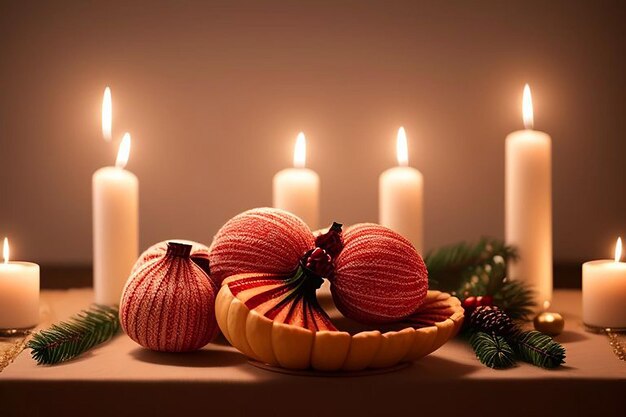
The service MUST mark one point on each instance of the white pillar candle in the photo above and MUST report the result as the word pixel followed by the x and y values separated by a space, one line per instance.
pixel 107 114
pixel 19 293
pixel 604 292
pixel 115 226
pixel 528 203
pixel 297 189
pixel 401 197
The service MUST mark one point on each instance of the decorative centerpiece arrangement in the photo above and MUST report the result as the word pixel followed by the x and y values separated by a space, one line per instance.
pixel 266 267
pixel 262 291
pixel 271 266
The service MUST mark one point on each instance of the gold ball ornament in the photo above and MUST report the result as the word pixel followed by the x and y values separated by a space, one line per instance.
pixel 549 323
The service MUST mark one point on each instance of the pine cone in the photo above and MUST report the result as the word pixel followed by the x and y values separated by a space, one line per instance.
pixel 490 319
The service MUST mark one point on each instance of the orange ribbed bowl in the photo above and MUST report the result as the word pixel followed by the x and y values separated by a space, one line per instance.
pixel 438 319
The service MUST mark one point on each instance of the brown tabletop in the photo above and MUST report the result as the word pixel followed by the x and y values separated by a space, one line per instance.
pixel 121 378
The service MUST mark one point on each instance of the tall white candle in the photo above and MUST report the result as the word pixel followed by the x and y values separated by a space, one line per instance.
pixel 107 114
pixel 528 202
pixel 115 226
pixel 604 292
pixel 19 293
pixel 401 197
pixel 297 189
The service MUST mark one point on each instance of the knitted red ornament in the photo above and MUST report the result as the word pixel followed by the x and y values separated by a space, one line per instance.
pixel 263 240
pixel 168 303
pixel 379 276
pixel 273 263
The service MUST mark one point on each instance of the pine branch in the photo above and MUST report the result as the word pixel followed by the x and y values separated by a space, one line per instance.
pixel 538 348
pixel 492 350
pixel 69 339
pixel 450 265
pixel 478 270
pixel 516 299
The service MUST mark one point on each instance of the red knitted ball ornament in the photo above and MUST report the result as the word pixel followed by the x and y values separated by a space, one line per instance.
pixel 379 276
pixel 264 240
pixel 168 303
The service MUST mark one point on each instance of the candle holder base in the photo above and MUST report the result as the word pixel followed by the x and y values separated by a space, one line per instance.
pixel 603 329
pixel 16 332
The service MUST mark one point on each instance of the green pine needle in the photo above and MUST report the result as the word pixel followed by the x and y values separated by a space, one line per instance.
pixel 492 350
pixel 69 339
pixel 449 265
pixel 516 299
pixel 538 348
pixel 478 270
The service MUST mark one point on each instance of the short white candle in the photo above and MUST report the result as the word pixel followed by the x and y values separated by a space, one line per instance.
pixel 297 189
pixel 528 203
pixel 19 293
pixel 115 227
pixel 401 197
pixel 604 292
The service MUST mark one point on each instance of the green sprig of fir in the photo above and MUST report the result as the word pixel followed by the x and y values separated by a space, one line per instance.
pixel 515 298
pixel 449 266
pixel 492 350
pixel 480 269
pixel 66 340
pixel 538 349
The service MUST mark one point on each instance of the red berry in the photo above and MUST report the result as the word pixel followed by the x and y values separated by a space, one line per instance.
pixel 470 302
pixel 485 300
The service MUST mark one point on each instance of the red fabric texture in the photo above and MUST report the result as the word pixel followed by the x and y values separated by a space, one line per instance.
pixel 379 276
pixel 168 303
pixel 264 240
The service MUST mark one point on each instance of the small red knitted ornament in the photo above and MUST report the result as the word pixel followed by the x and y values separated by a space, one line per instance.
pixel 379 276
pixel 264 240
pixel 168 303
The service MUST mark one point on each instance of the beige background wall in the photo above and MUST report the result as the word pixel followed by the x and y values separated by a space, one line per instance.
pixel 214 94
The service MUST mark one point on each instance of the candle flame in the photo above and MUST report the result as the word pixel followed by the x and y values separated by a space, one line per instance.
pixel 546 305
pixel 5 250
pixel 123 152
pixel 299 152
pixel 618 249
pixel 107 114
pixel 527 108
pixel 402 149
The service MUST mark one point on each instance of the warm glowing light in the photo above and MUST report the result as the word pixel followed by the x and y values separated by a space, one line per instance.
pixel 527 108
pixel 402 149
pixel 5 250
pixel 123 152
pixel 618 249
pixel 299 152
pixel 546 305
pixel 107 114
